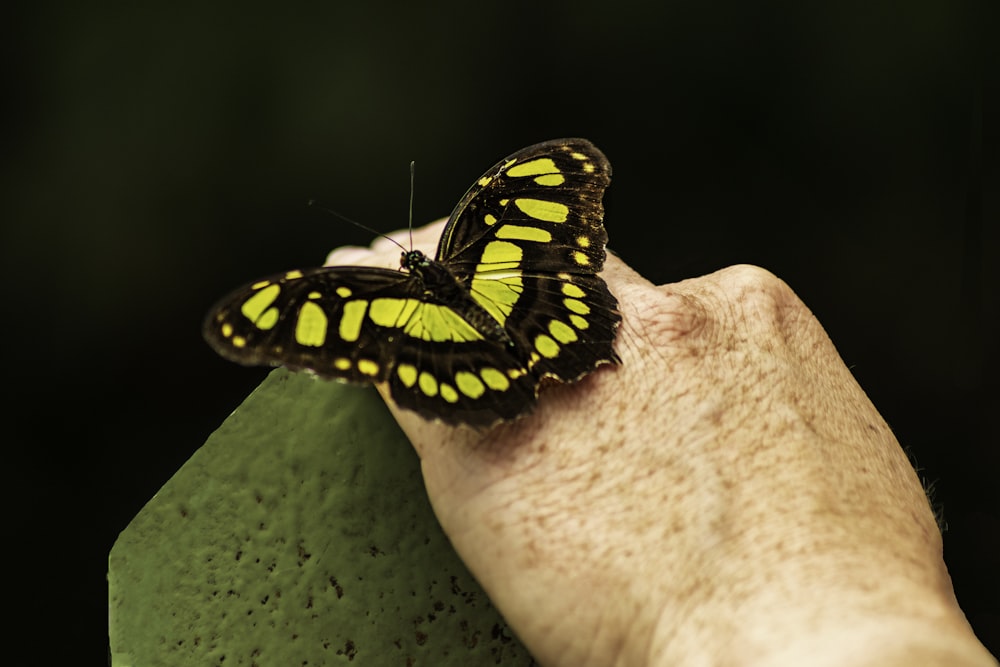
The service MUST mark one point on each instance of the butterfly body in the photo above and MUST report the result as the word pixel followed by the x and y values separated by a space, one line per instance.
pixel 439 285
pixel 512 298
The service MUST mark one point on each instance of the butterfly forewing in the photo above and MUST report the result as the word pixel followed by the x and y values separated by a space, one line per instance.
pixel 313 319
pixel 546 197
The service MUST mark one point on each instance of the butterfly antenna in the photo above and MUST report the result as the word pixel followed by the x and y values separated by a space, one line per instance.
pixel 413 167
pixel 316 204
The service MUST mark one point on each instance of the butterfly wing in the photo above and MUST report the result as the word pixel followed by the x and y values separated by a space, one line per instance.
pixel 362 324
pixel 528 239
pixel 307 319
pixel 474 382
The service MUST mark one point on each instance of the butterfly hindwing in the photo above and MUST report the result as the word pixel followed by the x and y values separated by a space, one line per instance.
pixel 478 387
pixel 512 298
pixel 568 323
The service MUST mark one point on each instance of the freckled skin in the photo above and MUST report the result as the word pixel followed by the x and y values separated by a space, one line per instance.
pixel 727 496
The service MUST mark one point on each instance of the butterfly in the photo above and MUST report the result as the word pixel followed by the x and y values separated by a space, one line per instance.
pixel 511 301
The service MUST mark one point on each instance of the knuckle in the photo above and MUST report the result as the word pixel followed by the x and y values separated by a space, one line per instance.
pixel 760 301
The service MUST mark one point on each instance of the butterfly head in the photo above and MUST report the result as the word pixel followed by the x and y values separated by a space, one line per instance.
pixel 413 259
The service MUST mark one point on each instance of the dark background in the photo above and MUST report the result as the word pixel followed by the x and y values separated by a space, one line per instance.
pixel 154 159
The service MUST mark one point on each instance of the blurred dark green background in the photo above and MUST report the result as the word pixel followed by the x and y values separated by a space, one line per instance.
pixel 155 158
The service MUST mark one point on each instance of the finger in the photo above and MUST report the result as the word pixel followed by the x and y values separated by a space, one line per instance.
pixel 384 250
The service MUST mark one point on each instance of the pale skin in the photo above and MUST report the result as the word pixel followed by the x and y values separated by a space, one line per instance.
pixel 726 496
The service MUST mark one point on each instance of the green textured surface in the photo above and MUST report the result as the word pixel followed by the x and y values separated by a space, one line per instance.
pixel 299 534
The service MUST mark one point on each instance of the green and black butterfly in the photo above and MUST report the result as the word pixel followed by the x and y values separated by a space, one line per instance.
pixel 511 300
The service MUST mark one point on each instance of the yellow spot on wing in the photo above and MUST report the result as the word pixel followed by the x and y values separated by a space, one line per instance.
pixel 351 319
pixel 562 332
pixel 448 393
pixel 390 312
pixel 256 306
pixel 497 283
pixel 490 219
pixel 428 384
pixel 550 180
pixel 469 384
pixel 494 379
pixel 577 306
pixel 310 328
pixel 407 374
pixel 227 330
pixel 293 275
pixel 342 363
pixel 367 367
pixel 268 319
pixel 583 241
pixel 549 211
pixel 569 289
pixel 239 341
pixel 579 322
pixel 542 165
pixel 499 255
pixel 546 346
pixel 497 296
pixel 522 233
pixel 439 323
pixel 581 258
pixel 344 292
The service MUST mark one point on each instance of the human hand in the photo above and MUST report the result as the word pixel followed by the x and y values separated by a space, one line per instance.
pixel 728 495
